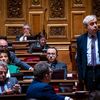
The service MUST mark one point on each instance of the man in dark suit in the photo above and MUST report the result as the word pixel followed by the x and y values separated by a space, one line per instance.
pixel 26 35
pixel 14 59
pixel 51 55
pixel 89 64
pixel 39 88
pixel 7 85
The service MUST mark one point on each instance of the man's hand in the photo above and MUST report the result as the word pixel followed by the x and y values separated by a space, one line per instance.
pixel 31 68
pixel 17 88
pixel 7 92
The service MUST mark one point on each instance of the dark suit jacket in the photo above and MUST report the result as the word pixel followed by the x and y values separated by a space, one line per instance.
pixel 42 91
pixel 18 37
pixel 36 45
pixel 16 61
pixel 31 37
pixel 82 54
pixel 60 65
pixel 10 82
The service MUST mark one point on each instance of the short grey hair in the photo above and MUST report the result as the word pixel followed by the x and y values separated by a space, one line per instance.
pixel 26 26
pixel 87 19
pixel 3 64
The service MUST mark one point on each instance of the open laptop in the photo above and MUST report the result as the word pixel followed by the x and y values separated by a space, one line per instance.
pixel 58 74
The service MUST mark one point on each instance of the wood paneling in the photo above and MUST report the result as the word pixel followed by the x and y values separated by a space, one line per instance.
pixel 35 20
pixel 76 22
pixel 61 19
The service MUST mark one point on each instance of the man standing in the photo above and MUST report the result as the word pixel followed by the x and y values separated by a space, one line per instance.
pixel 88 55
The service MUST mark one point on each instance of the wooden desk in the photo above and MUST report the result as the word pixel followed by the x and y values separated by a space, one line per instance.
pixel 75 96
pixel 60 86
pixel 13 97
pixel 23 42
pixel 23 46
pixel 40 56
pixel 52 81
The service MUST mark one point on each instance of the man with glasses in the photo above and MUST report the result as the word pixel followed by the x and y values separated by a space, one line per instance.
pixel 51 55
pixel 14 59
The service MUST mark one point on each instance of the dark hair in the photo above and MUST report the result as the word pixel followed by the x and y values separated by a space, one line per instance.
pixel 54 48
pixel 3 37
pixel 40 69
pixel 5 50
pixel 40 35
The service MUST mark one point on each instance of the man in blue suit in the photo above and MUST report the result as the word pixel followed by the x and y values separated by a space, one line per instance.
pixel 13 58
pixel 89 72
pixel 7 85
pixel 39 88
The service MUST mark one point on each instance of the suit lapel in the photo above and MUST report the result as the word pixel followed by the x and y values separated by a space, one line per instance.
pixel 98 36
pixel 85 43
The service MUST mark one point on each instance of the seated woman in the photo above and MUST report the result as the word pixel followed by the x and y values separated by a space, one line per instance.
pixel 39 46
pixel 4 56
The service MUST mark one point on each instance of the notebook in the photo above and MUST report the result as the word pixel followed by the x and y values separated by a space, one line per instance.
pixel 58 74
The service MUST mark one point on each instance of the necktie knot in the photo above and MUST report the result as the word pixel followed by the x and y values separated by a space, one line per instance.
pixel 93 37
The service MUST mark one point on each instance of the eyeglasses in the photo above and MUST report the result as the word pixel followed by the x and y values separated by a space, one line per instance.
pixel 51 54
pixel 3 46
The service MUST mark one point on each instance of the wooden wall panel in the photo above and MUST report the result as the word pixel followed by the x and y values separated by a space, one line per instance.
pixel 59 31
pixel 63 56
pixel 77 23
pixel 35 20
pixel 63 16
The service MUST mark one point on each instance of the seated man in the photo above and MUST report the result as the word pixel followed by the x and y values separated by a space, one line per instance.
pixel 26 35
pixel 39 88
pixel 51 55
pixel 7 85
pixel 12 56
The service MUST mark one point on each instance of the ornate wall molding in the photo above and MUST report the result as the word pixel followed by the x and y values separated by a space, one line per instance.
pixel 14 9
pixel 57 31
pixel 56 8
pixel 77 3
pixel 96 8
pixel 35 3
pixel 13 29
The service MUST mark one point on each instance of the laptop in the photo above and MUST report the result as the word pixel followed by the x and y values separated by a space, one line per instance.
pixel 58 74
